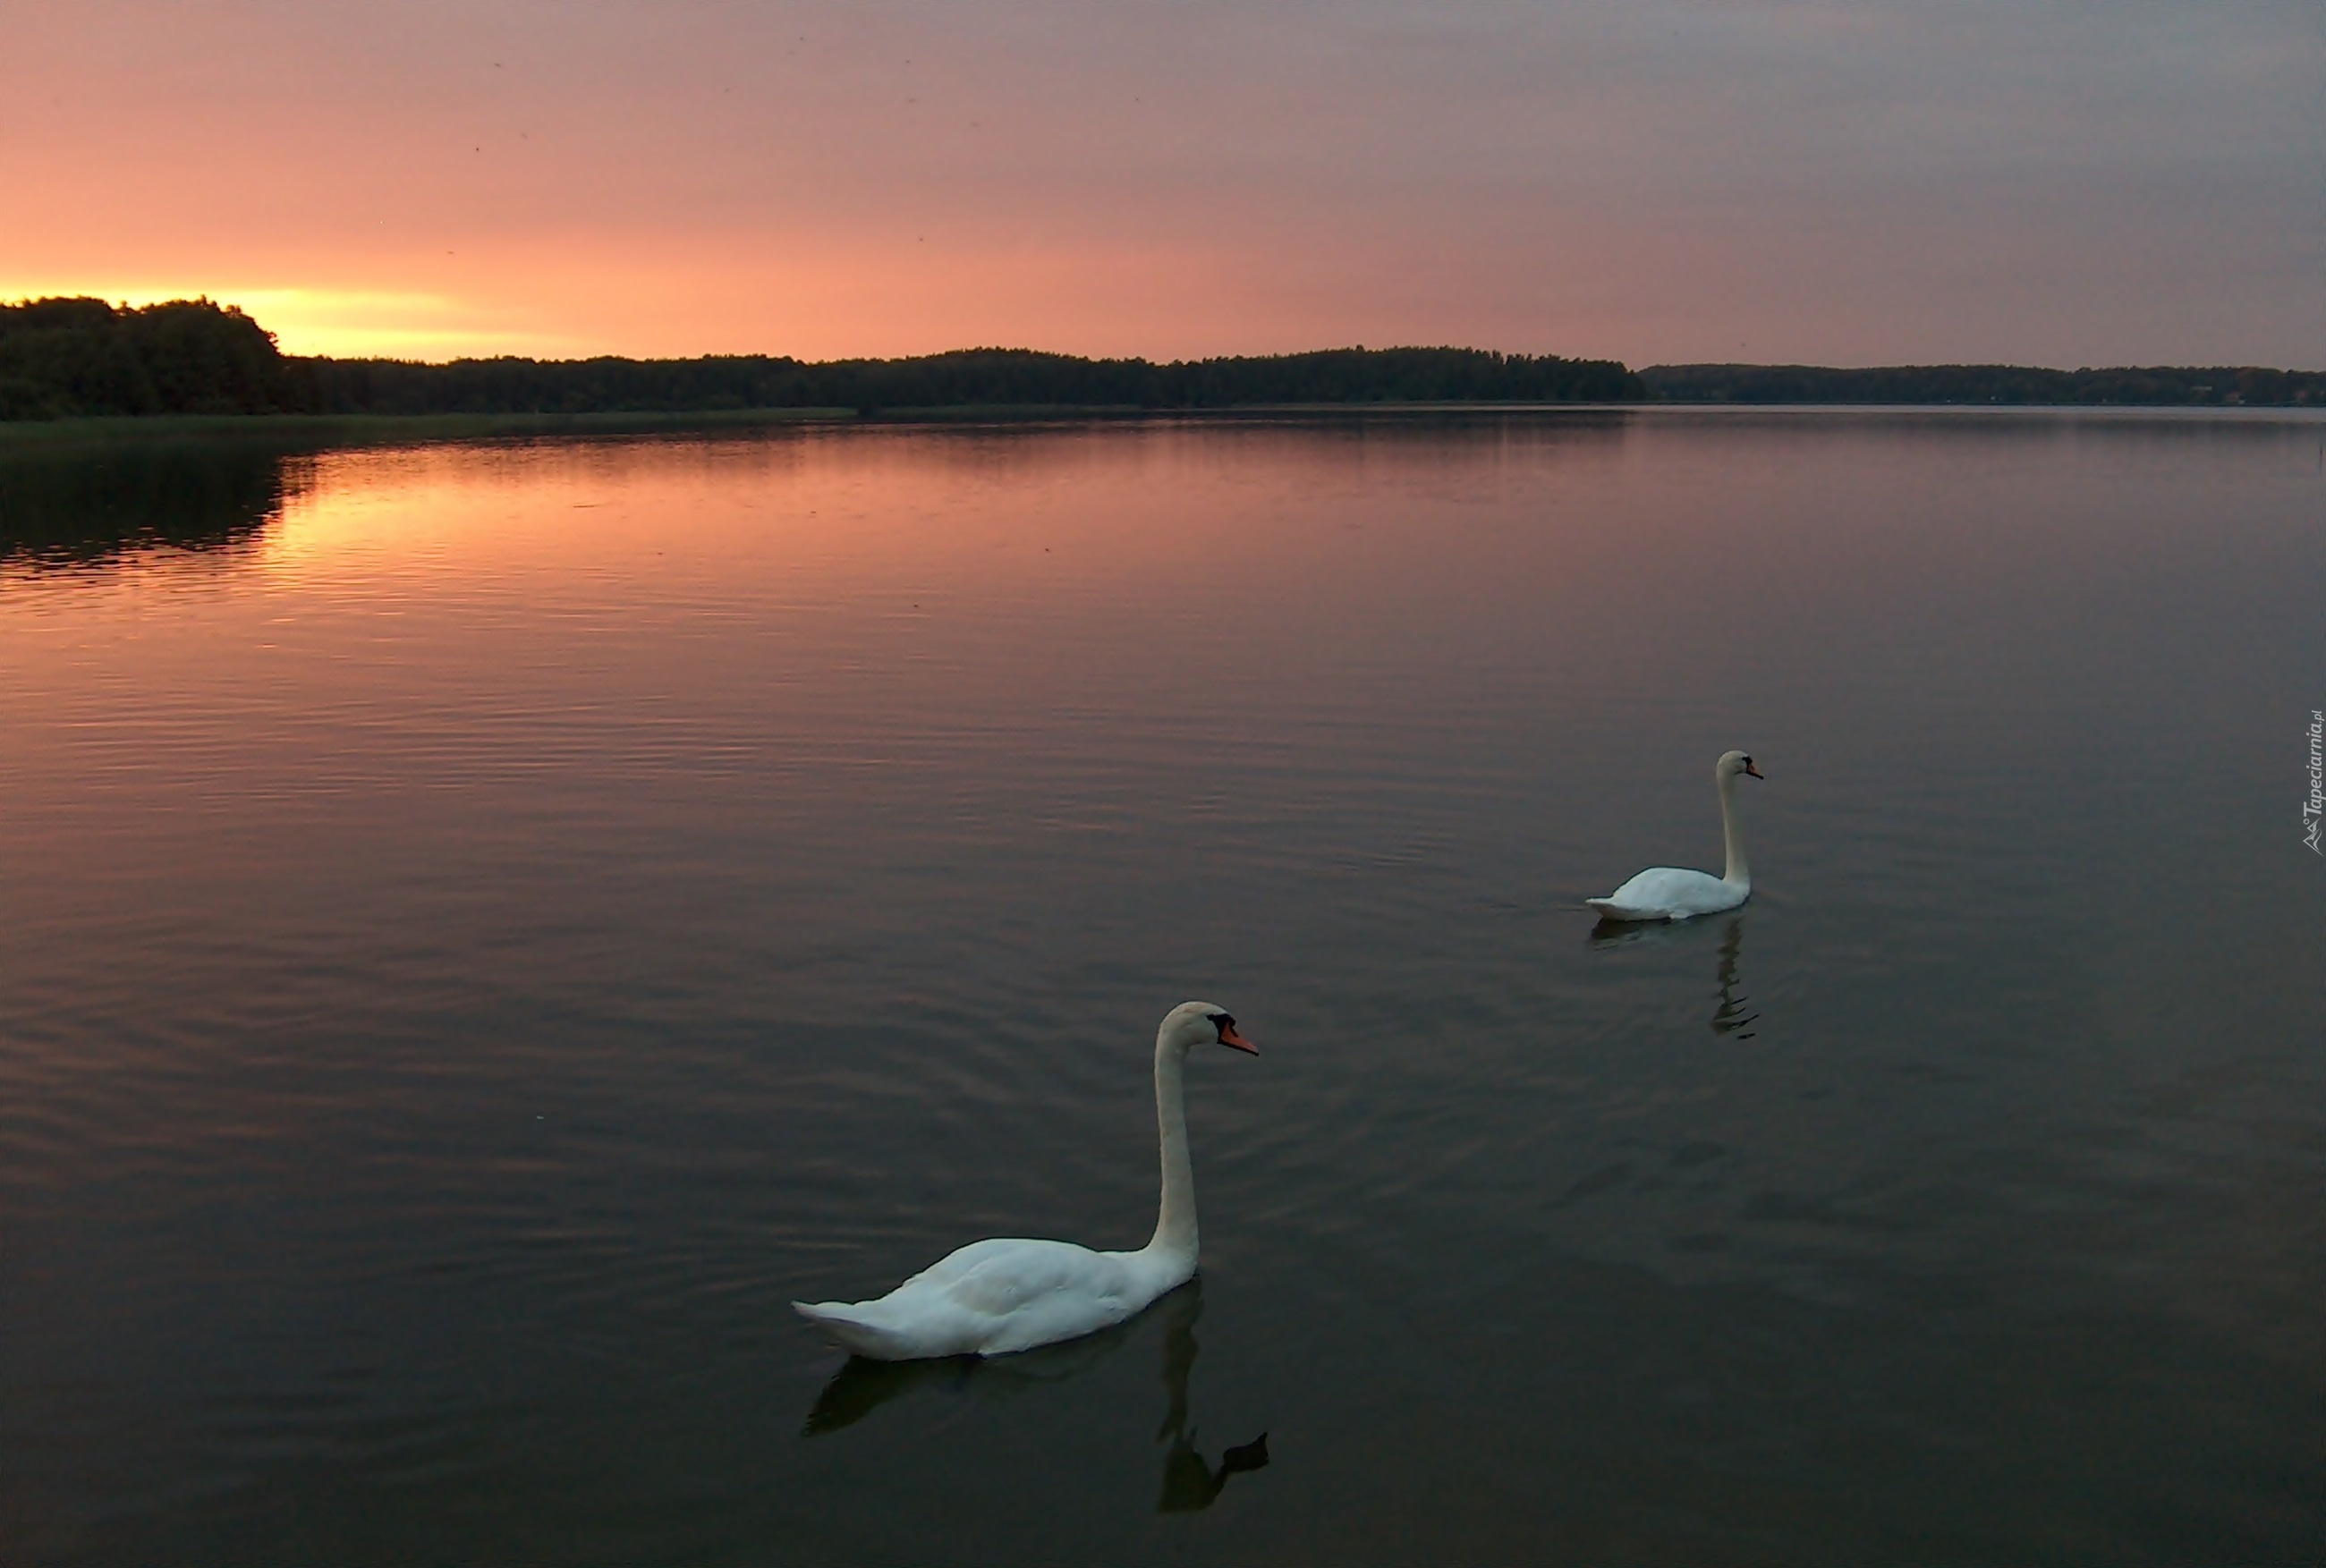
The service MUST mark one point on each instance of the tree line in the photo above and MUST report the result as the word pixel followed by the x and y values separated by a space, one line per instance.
pixel 79 357
pixel 967 377
pixel 62 358
pixel 2218 386
pixel 82 358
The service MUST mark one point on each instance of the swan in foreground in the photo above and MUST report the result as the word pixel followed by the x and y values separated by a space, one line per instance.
pixel 992 1297
pixel 1665 893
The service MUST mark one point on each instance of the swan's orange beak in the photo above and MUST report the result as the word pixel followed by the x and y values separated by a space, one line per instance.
pixel 1755 772
pixel 1228 1036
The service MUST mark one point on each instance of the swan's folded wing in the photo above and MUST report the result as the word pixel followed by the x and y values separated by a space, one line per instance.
pixel 1037 1293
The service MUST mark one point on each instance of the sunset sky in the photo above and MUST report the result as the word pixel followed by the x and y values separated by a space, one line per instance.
pixel 2051 181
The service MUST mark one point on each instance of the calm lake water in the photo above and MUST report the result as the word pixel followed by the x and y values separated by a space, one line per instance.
pixel 483 927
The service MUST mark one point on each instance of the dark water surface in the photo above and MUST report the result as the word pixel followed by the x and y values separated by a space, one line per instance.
pixel 483 927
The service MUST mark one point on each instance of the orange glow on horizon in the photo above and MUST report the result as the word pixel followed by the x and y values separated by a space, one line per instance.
pixel 339 323
pixel 854 297
pixel 1782 181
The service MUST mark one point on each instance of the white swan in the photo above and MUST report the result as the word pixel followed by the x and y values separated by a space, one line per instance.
pixel 993 1297
pixel 1665 893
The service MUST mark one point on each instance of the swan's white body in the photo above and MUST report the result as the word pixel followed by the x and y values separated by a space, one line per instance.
pixel 992 1297
pixel 1668 893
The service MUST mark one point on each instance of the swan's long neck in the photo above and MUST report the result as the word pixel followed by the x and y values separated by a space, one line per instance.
pixel 1739 872
pixel 1175 1226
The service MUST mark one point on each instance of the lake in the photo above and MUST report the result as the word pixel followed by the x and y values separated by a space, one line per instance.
pixel 487 925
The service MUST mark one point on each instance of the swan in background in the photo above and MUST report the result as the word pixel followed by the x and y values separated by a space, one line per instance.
pixel 1665 893
pixel 992 1297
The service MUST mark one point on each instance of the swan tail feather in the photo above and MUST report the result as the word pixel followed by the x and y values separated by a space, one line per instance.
pixel 1610 910
pixel 850 1333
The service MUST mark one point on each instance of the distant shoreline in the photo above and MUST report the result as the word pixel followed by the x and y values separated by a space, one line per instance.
pixel 325 430
pixel 64 361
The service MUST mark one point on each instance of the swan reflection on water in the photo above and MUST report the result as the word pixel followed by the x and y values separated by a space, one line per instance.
pixel 1731 1016
pixel 1190 1482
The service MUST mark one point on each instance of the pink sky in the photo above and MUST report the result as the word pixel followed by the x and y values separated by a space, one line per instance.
pixel 2043 181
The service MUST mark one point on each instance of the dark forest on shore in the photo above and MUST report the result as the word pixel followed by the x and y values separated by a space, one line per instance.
pixel 82 358
pixel 2227 386
pixel 65 358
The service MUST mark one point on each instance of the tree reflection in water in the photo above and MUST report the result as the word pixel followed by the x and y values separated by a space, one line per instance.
pixel 1189 1482
pixel 101 503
